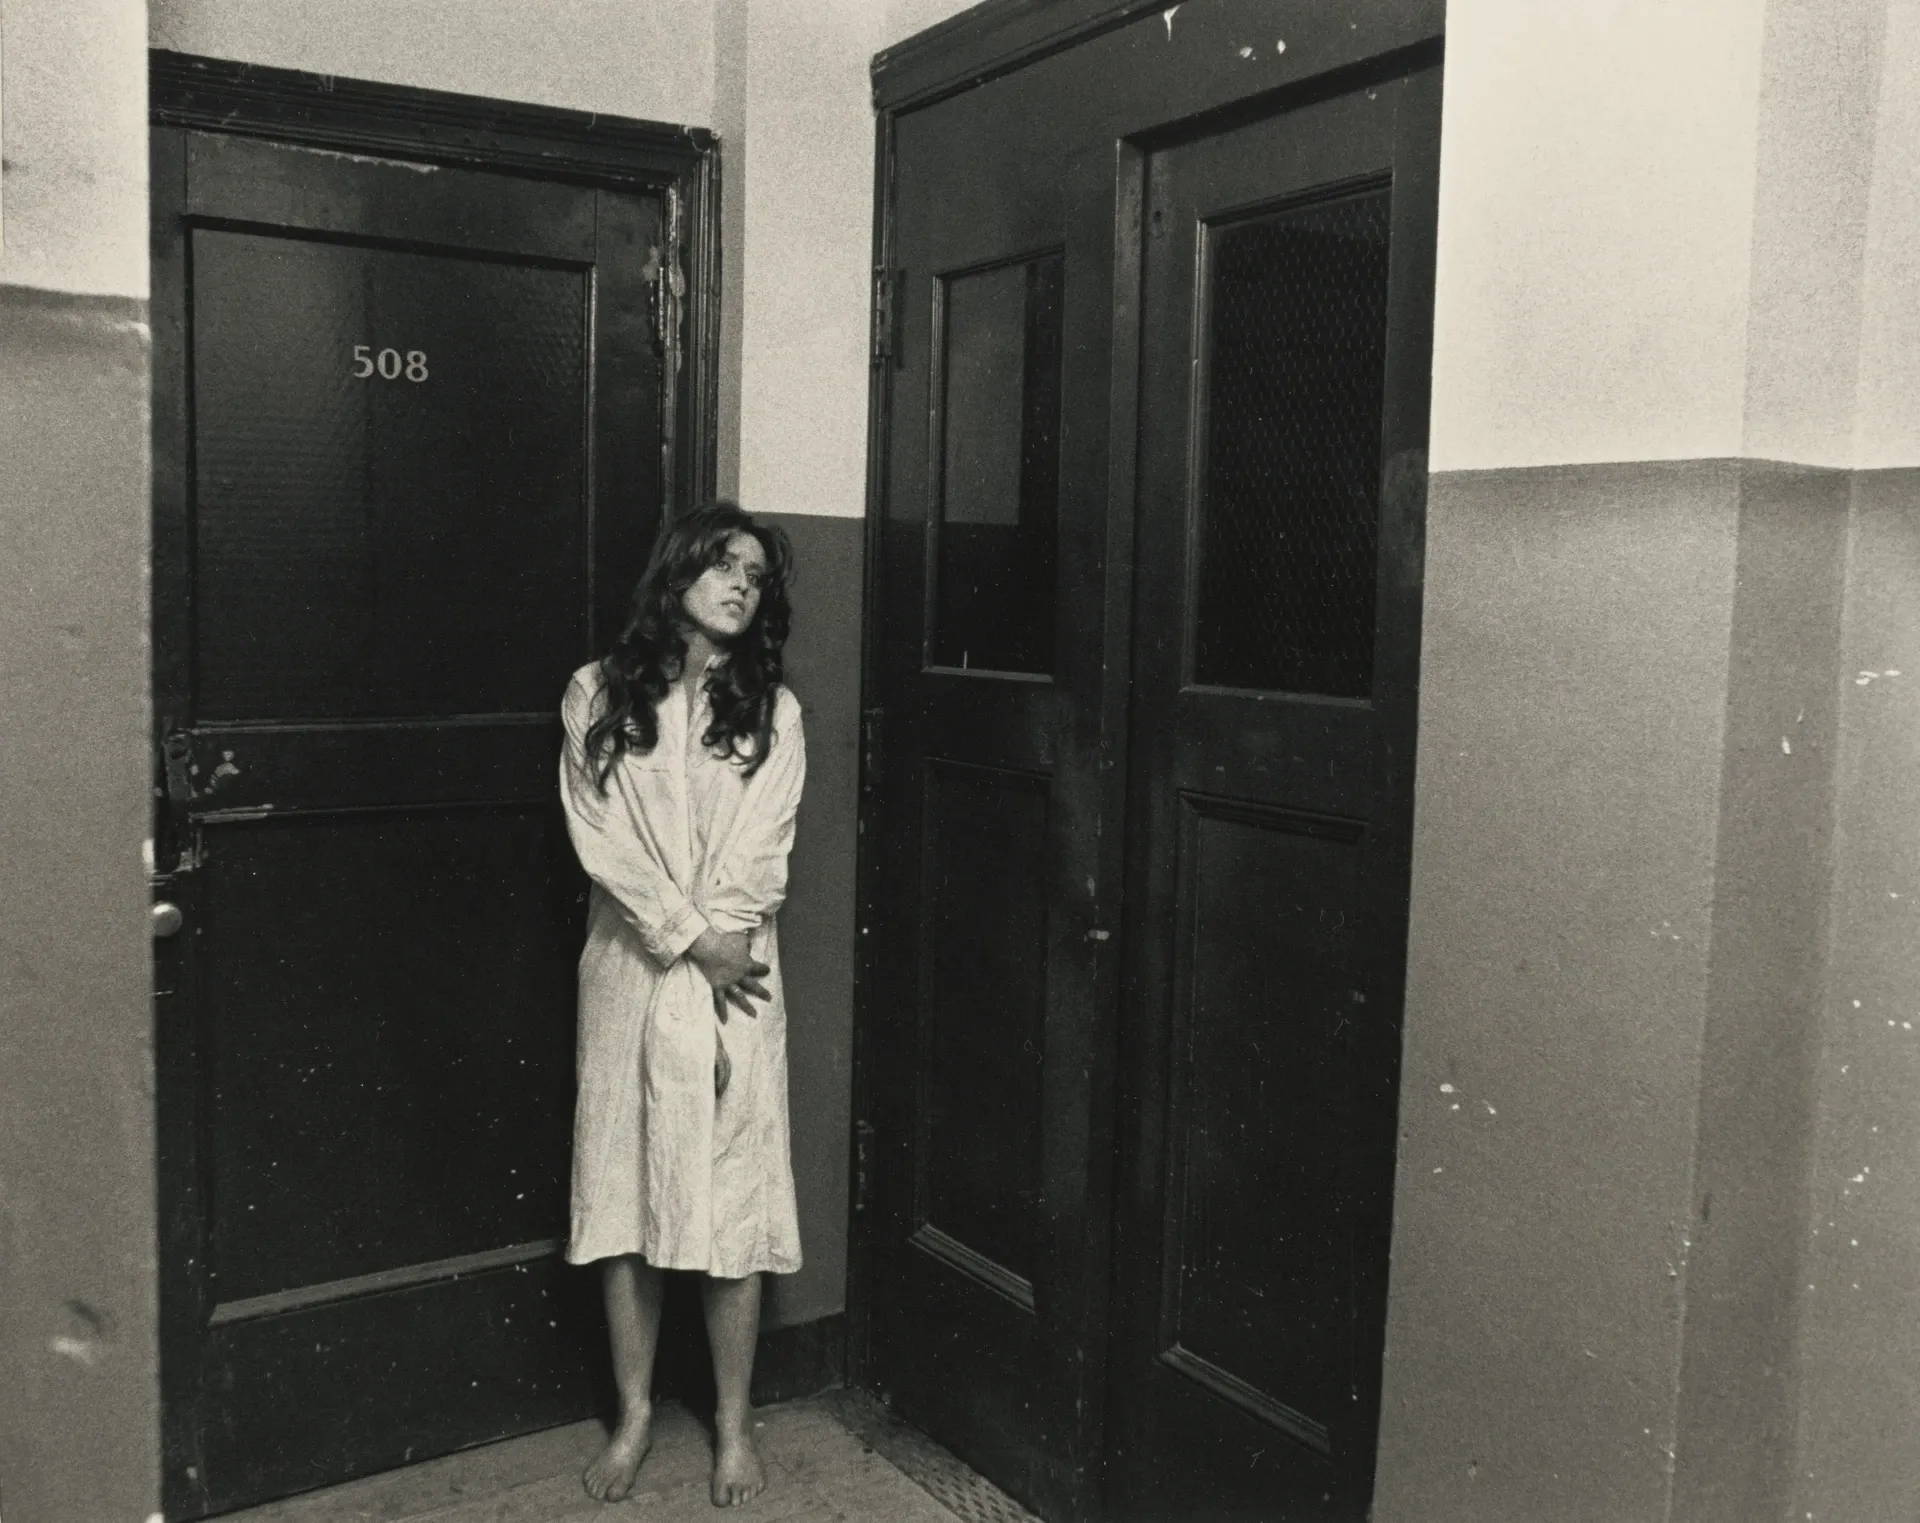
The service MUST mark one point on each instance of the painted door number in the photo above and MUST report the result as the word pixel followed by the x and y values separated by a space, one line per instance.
pixel 389 364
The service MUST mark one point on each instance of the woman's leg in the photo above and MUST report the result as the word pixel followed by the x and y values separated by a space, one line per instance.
pixel 733 1328
pixel 632 1289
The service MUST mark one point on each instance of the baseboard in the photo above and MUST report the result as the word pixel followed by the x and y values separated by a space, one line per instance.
pixel 801 1360
pixel 791 1362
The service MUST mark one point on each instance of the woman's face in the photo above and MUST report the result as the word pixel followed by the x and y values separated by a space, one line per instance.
pixel 722 602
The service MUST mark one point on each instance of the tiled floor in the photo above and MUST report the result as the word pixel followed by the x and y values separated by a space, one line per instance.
pixel 818 1471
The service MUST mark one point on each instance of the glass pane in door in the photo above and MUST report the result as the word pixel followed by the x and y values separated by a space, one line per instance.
pixel 1296 342
pixel 999 468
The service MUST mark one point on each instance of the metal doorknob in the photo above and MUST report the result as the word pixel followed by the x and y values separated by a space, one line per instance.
pixel 167 919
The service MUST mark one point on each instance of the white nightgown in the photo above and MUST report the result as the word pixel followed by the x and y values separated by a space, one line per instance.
pixel 681 841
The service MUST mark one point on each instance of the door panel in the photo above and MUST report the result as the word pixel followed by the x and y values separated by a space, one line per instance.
pixel 393 1372
pixel 435 512
pixel 422 430
pixel 984 1001
pixel 300 1041
pixel 1272 728
pixel 1258 1108
pixel 978 619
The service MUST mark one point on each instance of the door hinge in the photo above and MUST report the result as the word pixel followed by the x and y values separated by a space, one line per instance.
pixel 885 293
pixel 667 286
pixel 666 312
pixel 862 1165
pixel 674 304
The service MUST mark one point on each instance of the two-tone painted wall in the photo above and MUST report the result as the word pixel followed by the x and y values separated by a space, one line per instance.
pixel 1657 1247
pixel 78 1437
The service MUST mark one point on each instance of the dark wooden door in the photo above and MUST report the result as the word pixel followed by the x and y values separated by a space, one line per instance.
pixel 1137 815
pixel 986 796
pixel 408 462
pixel 1285 346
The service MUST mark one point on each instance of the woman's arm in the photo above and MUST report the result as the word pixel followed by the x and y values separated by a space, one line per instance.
pixel 748 882
pixel 617 852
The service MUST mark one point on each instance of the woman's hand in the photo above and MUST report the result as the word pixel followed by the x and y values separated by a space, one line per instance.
pixel 723 959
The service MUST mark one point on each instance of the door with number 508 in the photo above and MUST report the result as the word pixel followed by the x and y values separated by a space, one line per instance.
pixel 408 463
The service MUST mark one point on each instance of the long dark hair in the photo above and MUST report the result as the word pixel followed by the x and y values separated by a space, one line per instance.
pixel 651 652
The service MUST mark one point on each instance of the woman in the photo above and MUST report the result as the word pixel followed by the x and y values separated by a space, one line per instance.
pixel 683 768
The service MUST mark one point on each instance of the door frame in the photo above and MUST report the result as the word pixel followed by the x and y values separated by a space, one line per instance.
pixel 682 164
pixel 991 39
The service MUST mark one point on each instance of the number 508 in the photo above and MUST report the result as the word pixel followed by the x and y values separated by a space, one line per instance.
pixel 389 364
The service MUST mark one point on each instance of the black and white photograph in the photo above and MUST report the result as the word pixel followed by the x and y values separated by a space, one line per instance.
pixel 907 761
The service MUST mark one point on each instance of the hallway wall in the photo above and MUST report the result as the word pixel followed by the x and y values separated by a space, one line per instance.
pixel 1859 1334
pixel 1660 815
pixel 79 1437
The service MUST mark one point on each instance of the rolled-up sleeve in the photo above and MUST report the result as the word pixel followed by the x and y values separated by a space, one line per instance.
pixel 618 847
pixel 748 883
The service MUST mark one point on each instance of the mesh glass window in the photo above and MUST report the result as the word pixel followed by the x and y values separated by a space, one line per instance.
pixel 1288 531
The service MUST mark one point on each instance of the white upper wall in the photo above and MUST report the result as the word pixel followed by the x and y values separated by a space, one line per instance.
pixel 900 19
pixel 807 249
pixel 651 59
pixel 1887 423
pixel 1679 230
pixel 1819 90
pixel 1596 211
pixel 808 241
pixel 73 132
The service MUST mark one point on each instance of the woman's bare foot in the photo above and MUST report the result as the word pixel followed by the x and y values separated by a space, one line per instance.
pixel 738 1475
pixel 610 1477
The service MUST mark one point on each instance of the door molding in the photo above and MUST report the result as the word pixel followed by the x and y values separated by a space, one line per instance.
pixel 990 39
pixel 476 132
